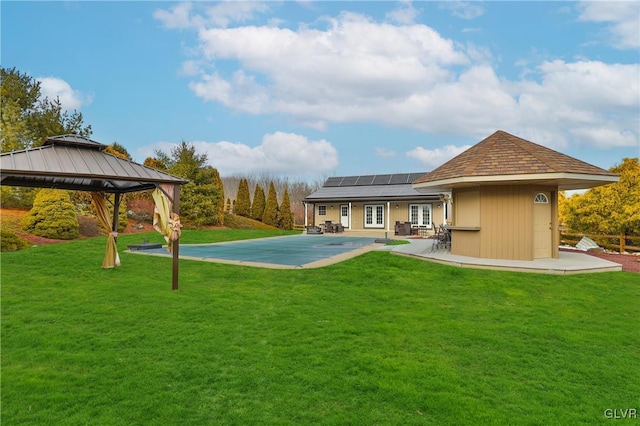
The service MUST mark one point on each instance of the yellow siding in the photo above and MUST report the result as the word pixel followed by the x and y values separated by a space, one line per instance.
pixel 466 208
pixel 357 216
pixel 398 214
pixel 465 243
pixel 506 222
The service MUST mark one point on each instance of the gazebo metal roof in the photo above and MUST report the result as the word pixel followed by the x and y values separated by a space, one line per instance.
pixel 77 163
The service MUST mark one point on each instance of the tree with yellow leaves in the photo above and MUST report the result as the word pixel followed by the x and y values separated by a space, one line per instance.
pixel 607 209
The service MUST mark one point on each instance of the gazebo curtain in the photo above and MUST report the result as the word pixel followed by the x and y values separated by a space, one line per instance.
pixel 99 202
pixel 165 222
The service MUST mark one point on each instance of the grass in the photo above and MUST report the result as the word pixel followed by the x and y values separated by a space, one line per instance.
pixel 378 339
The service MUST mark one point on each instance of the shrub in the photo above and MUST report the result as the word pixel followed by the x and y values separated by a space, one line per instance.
pixel 88 226
pixel 52 216
pixel 9 241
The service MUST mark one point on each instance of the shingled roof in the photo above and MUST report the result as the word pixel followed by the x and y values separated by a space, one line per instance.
pixel 505 158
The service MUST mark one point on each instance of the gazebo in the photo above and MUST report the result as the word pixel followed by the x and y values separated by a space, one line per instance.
pixel 504 194
pixel 77 163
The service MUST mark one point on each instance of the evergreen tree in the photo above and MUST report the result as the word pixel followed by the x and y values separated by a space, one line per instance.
pixel 259 201
pixel 243 200
pixel 52 216
pixel 217 181
pixel 202 199
pixel 271 214
pixel 228 209
pixel 286 217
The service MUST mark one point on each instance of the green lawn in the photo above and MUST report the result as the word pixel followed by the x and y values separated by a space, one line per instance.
pixel 379 339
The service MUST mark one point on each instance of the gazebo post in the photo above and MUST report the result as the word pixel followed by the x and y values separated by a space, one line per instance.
pixel 176 243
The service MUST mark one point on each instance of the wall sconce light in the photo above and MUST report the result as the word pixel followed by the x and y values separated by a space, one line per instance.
pixel 446 198
pixel 397 206
pixel 331 207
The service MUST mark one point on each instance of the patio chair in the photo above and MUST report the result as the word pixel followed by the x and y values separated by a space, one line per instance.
pixel 445 238
pixel 339 227
pixel 442 238
pixel 328 226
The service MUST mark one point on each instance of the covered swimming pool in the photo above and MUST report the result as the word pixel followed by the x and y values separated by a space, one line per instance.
pixel 298 251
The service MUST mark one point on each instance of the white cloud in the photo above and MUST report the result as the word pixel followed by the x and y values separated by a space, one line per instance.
pixel 432 158
pixel 405 13
pixel 178 17
pixel 355 69
pixel 198 15
pixel 280 153
pixel 622 16
pixel 464 9
pixel 70 99
pixel 384 152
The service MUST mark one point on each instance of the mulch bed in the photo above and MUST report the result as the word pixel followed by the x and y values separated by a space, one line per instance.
pixel 629 262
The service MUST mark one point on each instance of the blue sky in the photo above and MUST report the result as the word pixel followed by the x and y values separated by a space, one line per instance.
pixel 313 89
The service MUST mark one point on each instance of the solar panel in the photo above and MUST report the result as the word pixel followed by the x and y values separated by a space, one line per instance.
pixel 415 176
pixel 398 179
pixel 382 179
pixel 349 180
pixel 333 181
pixel 365 180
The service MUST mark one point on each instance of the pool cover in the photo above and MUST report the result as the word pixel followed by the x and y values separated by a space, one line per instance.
pixel 293 251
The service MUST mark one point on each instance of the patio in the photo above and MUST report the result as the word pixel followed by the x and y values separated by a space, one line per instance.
pixel 567 262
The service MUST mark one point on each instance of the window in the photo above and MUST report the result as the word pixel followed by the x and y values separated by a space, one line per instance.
pixel 322 210
pixel 541 199
pixel 374 216
pixel 420 214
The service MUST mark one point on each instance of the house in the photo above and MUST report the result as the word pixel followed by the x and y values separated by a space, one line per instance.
pixel 376 203
pixel 505 196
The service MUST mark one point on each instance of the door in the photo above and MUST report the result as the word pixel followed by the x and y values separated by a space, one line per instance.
pixel 344 215
pixel 542 226
pixel 374 216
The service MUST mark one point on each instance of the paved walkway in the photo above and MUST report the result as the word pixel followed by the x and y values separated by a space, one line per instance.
pixel 567 263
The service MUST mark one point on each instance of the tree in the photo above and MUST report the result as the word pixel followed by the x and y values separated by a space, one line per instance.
pixel 155 163
pixel 243 200
pixel 608 209
pixel 118 150
pixel 202 199
pixel 52 216
pixel 286 217
pixel 257 208
pixel 271 215
pixel 28 118
pixel 217 182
